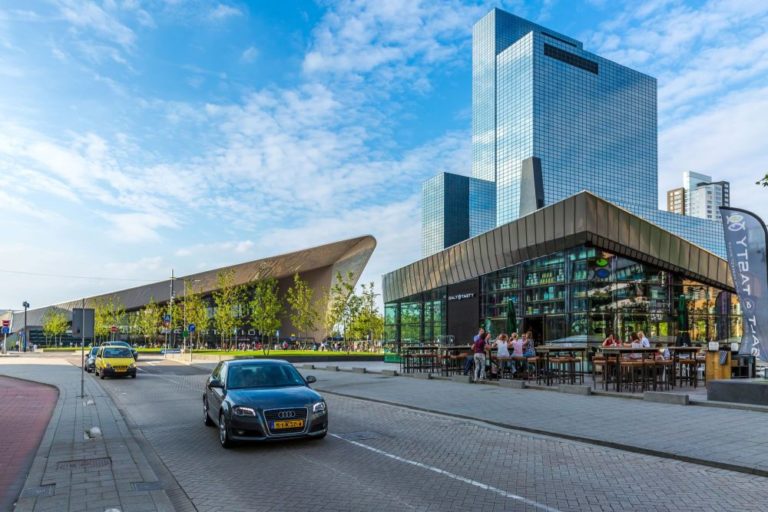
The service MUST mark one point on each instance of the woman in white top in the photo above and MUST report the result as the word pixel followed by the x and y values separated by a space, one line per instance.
pixel 502 351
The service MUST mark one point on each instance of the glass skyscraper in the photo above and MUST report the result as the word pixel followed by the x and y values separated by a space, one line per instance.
pixel 585 121
pixel 549 120
pixel 454 208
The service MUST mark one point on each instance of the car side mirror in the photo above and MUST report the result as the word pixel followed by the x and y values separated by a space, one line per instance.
pixel 310 379
pixel 215 383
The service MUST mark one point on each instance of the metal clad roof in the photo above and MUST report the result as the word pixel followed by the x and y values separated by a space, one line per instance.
pixel 578 219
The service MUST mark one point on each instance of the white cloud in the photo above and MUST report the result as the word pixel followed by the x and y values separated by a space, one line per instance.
pixel 88 15
pixel 727 141
pixel 250 54
pixel 399 37
pixel 222 11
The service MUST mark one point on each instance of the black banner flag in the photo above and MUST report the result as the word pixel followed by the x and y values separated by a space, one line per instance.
pixel 745 240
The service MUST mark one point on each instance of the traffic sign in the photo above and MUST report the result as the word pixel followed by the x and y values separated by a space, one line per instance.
pixel 113 328
pixel 167 318
pixel 191 327
pixel 6 323
pixel 6 329
pixel 185 334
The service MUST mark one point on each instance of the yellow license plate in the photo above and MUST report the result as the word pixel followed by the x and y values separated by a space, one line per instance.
pixel 288 424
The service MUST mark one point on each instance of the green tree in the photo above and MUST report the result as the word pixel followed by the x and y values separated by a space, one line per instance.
pixel 227 299
pixel 197 312
pixel 107 312
pixel 148 321
pixel 54 324
pixel 366 321
pixel 266 309
pixel 763 181
pixel 303 315
pixel 340 309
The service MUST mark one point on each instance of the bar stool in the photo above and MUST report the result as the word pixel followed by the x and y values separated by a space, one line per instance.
pixel 564 367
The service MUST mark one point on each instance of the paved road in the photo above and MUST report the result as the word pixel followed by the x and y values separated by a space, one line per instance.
pixel 381 457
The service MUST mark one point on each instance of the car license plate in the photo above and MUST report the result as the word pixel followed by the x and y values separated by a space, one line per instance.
pixel 277 425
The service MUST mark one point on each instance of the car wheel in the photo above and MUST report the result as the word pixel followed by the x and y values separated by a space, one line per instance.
pixel 208 420
pixel 133 375
pixel 101 375
pixel 224 439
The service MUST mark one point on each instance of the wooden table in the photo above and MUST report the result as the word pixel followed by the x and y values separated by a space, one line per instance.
pixel 559 348
pixel 618 352
pixel 676 351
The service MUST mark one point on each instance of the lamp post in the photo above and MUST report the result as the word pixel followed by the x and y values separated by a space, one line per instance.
pixel 24 345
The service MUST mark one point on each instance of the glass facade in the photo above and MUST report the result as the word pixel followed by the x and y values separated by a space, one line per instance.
pixel 482 206
pixel 591 122
pixel 455 208
pixel 577 295
pixel 444 212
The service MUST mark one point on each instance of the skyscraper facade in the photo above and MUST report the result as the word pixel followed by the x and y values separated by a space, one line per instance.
pixel 676 200
pixel 454 208
pixel 704 197
pixel 549 114
pixel 550 119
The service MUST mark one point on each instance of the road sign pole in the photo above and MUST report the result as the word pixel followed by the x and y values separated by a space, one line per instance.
pixel 82 352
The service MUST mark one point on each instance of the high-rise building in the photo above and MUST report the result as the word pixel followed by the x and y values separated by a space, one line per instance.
pixel 454 208
pixel 704 197
pixel 550 119
pixel 676 200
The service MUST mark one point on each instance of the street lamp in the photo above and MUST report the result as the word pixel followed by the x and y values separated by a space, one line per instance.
pixel 26 306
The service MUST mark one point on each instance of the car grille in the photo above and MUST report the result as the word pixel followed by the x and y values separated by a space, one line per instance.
pixel 120 368
pixel 274 415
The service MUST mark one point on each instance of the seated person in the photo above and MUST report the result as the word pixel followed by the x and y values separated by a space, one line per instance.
pixel 611 341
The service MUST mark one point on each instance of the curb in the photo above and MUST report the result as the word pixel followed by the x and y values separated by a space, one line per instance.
pixel 568 437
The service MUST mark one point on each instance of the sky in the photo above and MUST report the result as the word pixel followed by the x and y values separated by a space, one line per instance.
pixel 137 137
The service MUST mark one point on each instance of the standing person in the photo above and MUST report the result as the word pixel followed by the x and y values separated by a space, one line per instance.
pixel 478 348
pixel 470 357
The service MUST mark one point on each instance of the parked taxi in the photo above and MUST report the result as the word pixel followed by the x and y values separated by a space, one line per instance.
pixel 115 361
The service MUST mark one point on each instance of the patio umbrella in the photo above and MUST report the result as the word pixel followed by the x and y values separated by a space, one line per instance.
pixel 511 325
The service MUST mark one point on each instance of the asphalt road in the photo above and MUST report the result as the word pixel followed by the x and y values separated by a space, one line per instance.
pixel 381 457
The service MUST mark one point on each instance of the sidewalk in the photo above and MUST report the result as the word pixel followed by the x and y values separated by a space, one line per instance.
pixel 723 438
pixel 73 471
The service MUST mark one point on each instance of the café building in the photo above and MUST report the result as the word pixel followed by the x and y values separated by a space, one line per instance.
pixel 570 272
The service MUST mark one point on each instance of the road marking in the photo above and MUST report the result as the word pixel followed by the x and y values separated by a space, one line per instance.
pixel 460 478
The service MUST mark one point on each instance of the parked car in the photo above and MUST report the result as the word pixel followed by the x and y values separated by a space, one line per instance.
pixel 114 361
pixel 90 361
pixel 123 344
pixel 262 399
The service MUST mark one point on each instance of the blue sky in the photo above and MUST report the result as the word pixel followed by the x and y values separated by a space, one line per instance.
pixel 140 136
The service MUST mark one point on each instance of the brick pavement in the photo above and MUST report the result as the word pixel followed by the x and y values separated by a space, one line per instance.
pixel 735 439
pixel 335 474
pixel 72 472
pixel 25 409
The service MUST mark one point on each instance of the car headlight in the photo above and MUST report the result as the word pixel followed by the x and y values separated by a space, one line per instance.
pixel 243 411
pixel 319 407
pixel 131 365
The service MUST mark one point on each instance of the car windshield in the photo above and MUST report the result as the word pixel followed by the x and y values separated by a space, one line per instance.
pixel 243 376
pixel 94 350
pixel 117 352
pixel 120 343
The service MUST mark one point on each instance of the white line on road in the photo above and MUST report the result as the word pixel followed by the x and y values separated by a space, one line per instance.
pixel 460 478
